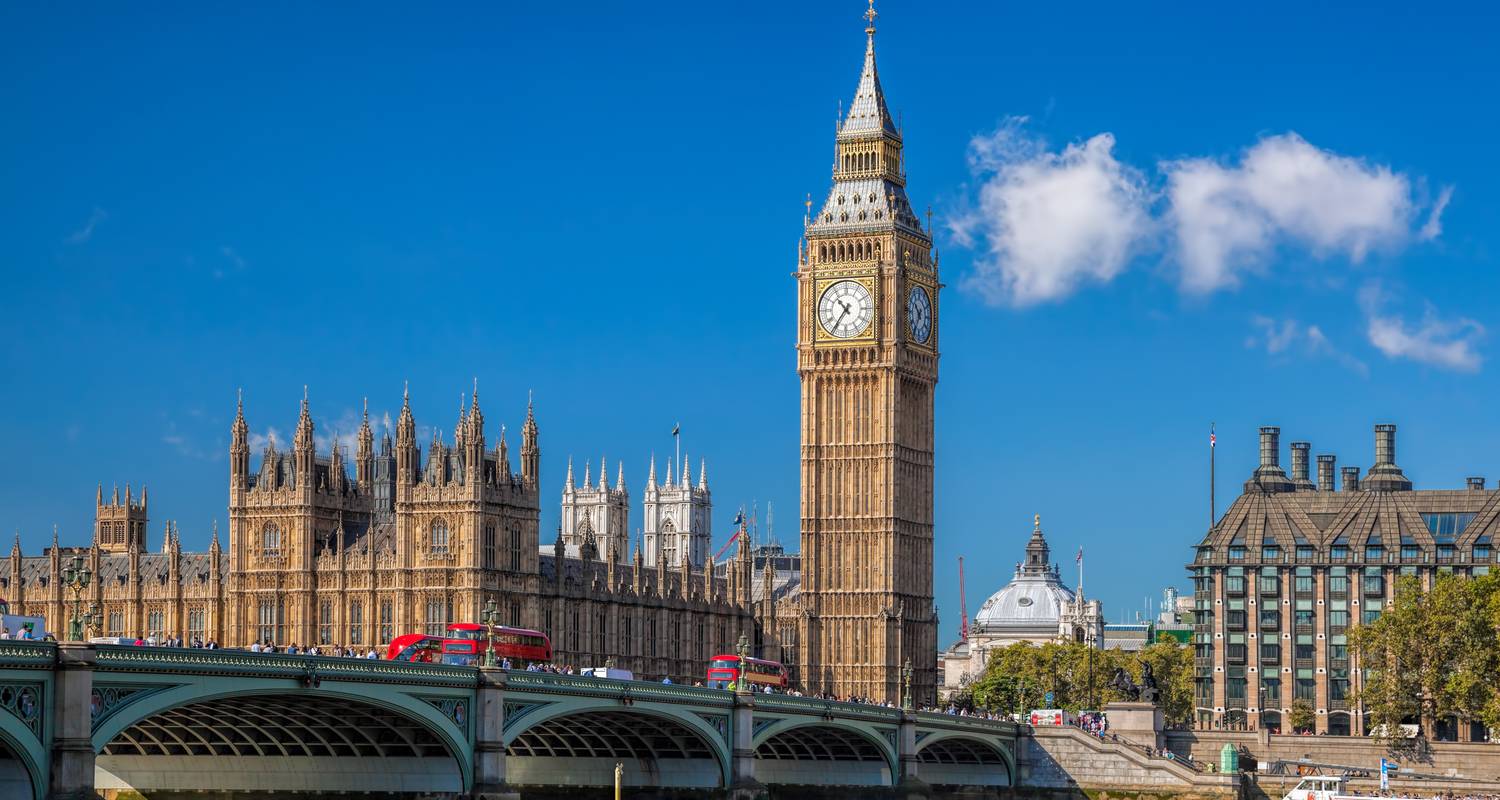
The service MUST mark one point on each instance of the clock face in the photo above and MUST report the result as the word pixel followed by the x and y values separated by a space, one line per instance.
pixel 845 309
pixel 919 314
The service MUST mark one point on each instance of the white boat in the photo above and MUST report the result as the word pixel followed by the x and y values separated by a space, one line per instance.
pixel 1334 787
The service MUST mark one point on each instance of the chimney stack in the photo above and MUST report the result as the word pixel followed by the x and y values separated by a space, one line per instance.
pixel 1270 477
pixel 1476 484
pixel 1300 477
pixel 1326 465
pixel 1351 479
pixel 1385 476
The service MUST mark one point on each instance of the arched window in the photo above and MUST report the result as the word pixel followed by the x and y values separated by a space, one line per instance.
pixel 439 538
pixel 270 540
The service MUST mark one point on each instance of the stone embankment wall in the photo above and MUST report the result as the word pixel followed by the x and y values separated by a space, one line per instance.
pixel 1066 760
pixel 1473 767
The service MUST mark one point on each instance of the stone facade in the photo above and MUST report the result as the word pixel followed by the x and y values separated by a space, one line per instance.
pixel 409 543
pixel 1295 563
pixel 867 355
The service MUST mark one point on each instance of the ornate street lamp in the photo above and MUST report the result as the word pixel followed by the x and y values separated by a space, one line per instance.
pixel 76 577
pixel 490 617
pixel 906 698
pixel 742 649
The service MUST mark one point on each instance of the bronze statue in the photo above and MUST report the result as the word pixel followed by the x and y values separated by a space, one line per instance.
pixel 1124 685
pixel 1149 691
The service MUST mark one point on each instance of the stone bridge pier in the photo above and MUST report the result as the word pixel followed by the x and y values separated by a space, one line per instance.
pixel 79 721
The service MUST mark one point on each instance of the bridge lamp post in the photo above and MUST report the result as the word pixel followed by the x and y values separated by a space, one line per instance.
pixel 742 649
pixel 906 698
pixel 76 577
pixel 490 616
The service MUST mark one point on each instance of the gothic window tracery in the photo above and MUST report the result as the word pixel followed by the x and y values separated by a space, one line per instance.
pixel 270 540
pixel 438 537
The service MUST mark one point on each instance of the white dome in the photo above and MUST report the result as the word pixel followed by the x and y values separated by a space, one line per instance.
pixel 1029 600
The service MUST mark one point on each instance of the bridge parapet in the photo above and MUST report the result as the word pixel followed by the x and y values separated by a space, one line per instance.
pixel 16 654
pixel 239 663
pixel 585 685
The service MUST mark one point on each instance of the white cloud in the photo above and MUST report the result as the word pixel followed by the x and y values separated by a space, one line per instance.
pixel 1050 222
pixel 1289 337
pixel 1228 220
pixel 1449 343
pixel 258 441
pixel 1434 224
pixel 87 231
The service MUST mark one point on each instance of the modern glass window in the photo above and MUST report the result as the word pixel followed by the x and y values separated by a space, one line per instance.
pixel 1410 551
pixel 1338 646
pixel 1374 552
pixel 1481 552
pixel 1235 649
pixel 1304 646
pixel 1270 552
pixel 1303 584
pixel 1374 582
pixel 1369 615
pixel 1272 688
pixel 1270 619
pixel 1338 619
pixel 1444 527
pixel 1446 552
pixel 1236 552
pixel 1306 688
pixel 1338 552
pixel 1338 581
pixel 1269 583
pixel 1305 552
pixel 1338 684
pixel 1270 652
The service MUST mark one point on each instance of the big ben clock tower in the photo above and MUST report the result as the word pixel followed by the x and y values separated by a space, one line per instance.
pixel 867 355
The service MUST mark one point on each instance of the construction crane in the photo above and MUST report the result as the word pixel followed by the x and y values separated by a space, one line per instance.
pixel 963 604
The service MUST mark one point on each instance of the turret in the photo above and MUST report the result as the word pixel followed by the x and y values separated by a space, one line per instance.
pixel 364 456
pixel 302 446
pixel 531 455
pixel 502 456
pixel 406 442
pixel 239 447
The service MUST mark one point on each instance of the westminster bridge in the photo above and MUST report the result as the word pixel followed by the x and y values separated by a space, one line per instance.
pixel 91 720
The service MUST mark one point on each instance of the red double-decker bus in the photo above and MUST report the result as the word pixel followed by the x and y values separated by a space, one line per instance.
pixel 465 642
pixel 725 669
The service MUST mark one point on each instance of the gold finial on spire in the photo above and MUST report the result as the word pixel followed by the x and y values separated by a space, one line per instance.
pixel 1037 520
pixel 870 16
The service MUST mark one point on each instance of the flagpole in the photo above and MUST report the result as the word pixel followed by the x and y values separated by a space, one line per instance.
pixel 677 442
pixel 1213 507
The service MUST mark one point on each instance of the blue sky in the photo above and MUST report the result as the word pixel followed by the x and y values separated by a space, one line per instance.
pixel 1150 218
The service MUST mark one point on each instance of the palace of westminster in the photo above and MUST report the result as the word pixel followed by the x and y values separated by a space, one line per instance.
pixel 412 541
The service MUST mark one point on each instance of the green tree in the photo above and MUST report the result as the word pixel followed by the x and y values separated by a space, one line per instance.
pixel 1302 716
pixel 1018 677
pixel 1432 654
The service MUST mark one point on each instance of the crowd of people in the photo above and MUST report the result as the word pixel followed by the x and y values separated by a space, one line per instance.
pixel 330 650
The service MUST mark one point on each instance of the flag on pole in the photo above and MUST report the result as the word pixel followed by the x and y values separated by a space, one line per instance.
pixel 1080 555
pixel 676 429
pixel 1212 439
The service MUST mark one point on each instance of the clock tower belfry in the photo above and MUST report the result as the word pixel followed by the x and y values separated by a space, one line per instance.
pixel 867 356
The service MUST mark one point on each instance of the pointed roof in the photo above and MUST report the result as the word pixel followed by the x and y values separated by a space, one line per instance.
pixel 868 113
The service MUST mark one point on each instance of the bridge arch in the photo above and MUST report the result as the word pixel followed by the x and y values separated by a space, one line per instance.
pixel 23 761
pixel 824 752
pixel 349 738
pixel 577 742
pixel 965 760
